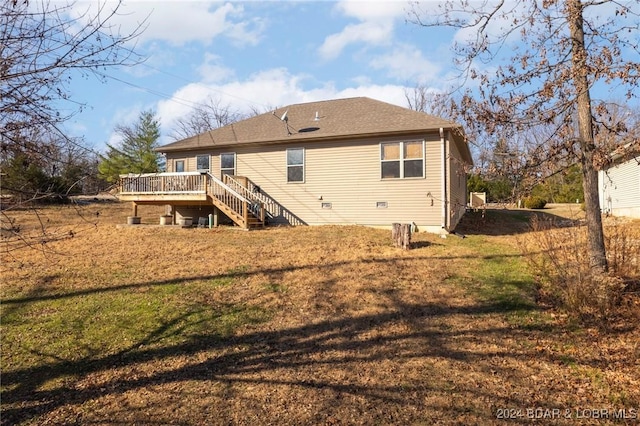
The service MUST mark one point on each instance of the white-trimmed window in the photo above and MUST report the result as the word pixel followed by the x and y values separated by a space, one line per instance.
pixel 227 164
pixel 295 165
pixel 401 160
pixel 202 163
pixel 178 166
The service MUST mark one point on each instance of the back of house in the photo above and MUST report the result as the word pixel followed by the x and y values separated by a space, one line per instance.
pixel 344 161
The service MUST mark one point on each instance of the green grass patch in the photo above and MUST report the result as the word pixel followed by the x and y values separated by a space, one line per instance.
pixel 103 323
pixel 276 287
pixel 498 276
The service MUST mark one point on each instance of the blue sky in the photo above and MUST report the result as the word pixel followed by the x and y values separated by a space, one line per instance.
pixel 259 55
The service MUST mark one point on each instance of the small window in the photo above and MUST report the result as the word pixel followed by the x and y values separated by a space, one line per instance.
pixel 381 205
pixel 399 160
pixel 178 166
pixel 295 165
pixel 228 164
pixel 413 159
pixel 327 206
pixel 202 163
pixel 390 158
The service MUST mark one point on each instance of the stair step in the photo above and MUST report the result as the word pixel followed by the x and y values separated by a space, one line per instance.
pixel 222 201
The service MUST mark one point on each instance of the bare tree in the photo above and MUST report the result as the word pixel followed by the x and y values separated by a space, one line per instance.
pixel 211 115
pixel 208 116
pixel 424 99
pixel 618 127
pixel 43 46
pixel 558 52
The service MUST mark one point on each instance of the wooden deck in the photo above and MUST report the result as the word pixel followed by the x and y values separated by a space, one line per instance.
pixel 184 188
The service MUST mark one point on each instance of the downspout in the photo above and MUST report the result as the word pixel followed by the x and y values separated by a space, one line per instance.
pixel 445 196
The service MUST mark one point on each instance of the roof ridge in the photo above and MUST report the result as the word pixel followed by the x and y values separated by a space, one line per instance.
pixel 324 101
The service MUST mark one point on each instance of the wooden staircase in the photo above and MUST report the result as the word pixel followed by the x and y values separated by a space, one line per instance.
pixel 243 206
pixel 244 210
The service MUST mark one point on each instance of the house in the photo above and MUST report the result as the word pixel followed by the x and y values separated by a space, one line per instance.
pixel 344 161
pixel 619 183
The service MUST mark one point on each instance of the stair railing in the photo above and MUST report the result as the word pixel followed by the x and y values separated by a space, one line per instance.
pixel 257 200
pixel 270 207
pixel 240 205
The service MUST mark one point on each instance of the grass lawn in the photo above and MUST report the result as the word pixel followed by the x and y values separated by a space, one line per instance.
pixel 145 325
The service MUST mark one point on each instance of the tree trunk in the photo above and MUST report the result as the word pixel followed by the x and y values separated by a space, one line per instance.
pixel 401 235
pixel 595 245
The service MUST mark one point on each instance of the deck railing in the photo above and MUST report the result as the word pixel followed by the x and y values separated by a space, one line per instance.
pixel 232 199
pixel 163 183
pixel 244 186
pixel 270 206
pixel 236 203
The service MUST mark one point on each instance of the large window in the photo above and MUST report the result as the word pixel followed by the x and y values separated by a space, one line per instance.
pixel 202 163
pixel 295 165
pixel 401 160
pixel 228 164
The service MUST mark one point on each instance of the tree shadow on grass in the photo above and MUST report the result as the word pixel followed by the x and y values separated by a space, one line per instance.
pixel 404 332
pixel 336 342
pixel 42 295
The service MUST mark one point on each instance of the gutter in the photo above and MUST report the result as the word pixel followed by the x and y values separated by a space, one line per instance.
pixel 445 196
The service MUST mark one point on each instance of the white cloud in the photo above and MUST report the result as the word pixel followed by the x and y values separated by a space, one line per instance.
pixel 261 91
pixel 179 22
pixel 377 33
pixel 376 25
pixel 407 63
pixel 212 71
pixel 391 93
pixel 373 10
pixel 266 90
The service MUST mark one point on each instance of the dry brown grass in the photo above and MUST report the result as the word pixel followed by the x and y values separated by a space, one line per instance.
pixel 558 255
pixel 322 325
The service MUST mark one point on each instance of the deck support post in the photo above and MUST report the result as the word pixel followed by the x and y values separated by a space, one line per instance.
pixel 215 216
pixel 135 209
pixel 245 214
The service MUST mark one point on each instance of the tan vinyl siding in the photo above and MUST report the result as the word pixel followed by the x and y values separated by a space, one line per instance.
pixel 190 164
pixel 434 164
pixel 346 174
pixel 457 184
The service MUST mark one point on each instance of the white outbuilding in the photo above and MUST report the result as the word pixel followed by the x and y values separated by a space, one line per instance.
pixel 619 186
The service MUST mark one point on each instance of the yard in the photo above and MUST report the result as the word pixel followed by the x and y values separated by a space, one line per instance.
pixel 307 325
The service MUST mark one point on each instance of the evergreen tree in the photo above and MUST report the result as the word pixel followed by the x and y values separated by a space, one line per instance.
pixel 136 153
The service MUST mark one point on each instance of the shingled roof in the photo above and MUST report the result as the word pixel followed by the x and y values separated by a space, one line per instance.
pixel 324 120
